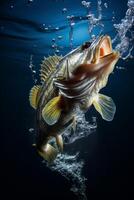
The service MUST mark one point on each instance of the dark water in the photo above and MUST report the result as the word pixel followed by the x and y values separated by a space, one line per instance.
pixel 107 152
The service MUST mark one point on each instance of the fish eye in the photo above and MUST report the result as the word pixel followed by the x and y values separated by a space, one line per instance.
pixel 86 45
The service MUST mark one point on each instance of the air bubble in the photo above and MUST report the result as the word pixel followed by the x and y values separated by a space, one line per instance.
pixel 93 36
pixel 64 10
pixel 31 130
pixel 68 17
pixel 54 46
pixel 57 28
pixel 72 23
pixel 105 5
pixel 83 3
pixel 57 50
pixel 46 28
pixel 30 1
pixel 53 40
pixel 86 4
pixel 120 68
pixel 60 37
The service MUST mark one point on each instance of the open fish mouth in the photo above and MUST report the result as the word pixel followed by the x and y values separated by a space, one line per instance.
pixel 103 58
pixel 103 62
pixel 103 50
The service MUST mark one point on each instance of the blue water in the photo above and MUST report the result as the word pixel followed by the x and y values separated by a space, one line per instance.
pixel 31 28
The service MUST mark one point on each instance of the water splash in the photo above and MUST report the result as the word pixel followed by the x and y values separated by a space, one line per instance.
pixel 94 21
pixel 124 38
pixel 70 166
pixel 83 128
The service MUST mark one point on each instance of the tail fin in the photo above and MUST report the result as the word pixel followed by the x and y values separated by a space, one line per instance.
pixel 49 153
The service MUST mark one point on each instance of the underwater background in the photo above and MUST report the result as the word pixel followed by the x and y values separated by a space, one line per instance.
pixel 30 30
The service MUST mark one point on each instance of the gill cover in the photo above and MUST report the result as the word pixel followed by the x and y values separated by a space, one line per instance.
pixel 105 106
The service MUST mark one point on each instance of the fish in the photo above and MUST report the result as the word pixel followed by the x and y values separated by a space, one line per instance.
pixel 67 83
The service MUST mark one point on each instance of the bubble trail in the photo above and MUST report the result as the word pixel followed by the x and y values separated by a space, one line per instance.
pixel 71 25
pixel 32 68
pixel 70 167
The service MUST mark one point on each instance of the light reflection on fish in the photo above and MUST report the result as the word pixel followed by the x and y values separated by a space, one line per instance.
pixel 69 82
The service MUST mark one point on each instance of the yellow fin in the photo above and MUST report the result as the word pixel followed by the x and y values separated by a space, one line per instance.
pixel 33 96
pixel 59 142
pixel 49 153
pixel 105 106
pixel 51 112
pixel 48 66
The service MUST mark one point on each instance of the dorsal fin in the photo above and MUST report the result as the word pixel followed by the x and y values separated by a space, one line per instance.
pixel 48 66
pixel 33 96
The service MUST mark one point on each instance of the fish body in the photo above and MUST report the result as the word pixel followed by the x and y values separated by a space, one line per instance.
pixel 67 83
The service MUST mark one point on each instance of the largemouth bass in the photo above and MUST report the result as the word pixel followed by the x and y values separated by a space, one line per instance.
pixel 67 83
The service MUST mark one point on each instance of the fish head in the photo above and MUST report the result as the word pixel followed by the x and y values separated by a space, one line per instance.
pixel 87 68
pixel 99 61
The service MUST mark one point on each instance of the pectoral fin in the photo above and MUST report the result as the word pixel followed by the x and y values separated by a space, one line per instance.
pixel 105 106
pixel 52 111
pixel 49 153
